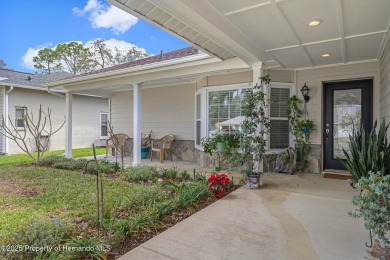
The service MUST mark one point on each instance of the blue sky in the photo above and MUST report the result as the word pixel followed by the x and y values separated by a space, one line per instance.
pixel 27 26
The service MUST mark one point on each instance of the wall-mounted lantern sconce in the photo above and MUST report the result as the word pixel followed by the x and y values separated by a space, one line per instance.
pixel 305 93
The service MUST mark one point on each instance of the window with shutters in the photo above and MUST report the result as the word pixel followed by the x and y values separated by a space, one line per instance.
pixel 198 119
pixel 19 114
pixel 279 132
pixel 218 109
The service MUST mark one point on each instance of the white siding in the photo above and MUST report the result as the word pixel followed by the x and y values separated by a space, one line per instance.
pixel 165 110
pixel 86 116
pixel 385 85
pixel 2 89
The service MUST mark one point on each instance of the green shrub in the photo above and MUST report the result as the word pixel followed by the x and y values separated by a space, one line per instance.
pixel 369 152
pixel 156 207
pixel 373 204
pixel 104 167
pixel 170 173
pixel 71 164
pixel 140 174
pixel 53 159
pixel 93 249
pixel 184 175
pixel 37 233
pixel 142 197
pixel 189 193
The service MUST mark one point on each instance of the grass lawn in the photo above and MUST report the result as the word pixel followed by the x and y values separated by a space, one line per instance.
pixel 44 206
pixel 24 158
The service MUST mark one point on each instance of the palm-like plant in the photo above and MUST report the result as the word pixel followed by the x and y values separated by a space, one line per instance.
pixel 368 152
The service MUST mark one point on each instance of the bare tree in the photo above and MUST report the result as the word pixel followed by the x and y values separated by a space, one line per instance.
pixel 115 142
pixel 40 132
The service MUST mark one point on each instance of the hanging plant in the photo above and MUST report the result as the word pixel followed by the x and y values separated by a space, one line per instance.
pixel 307 126
pixel 301 128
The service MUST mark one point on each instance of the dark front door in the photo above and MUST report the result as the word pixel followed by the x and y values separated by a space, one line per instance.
pixel 347 105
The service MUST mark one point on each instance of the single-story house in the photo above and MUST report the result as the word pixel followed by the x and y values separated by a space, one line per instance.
pixel 340 49
pixel 19 90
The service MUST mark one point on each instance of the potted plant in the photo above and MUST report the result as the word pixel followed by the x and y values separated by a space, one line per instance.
pixel 221 142
pixel 254 128
pixel 145 144
pixel 307 126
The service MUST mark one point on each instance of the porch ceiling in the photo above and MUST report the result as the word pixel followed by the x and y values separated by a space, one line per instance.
pixel 275 32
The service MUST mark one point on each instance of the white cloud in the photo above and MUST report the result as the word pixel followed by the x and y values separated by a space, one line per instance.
pixel 121 45
pixel 107 16
pixel 27 59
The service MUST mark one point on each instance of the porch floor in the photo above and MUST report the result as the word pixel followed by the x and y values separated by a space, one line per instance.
pixel 291 217
pixel 182 165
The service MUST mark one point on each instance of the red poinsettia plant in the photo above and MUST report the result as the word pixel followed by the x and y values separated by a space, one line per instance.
pixel 218 183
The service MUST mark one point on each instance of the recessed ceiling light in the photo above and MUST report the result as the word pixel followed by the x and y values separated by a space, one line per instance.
pixel 325 55
pixel 314 22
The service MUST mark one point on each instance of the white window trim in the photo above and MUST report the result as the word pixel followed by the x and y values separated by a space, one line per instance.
pixel 19 128
pixel 100 125
pixel 204 108
pixel 292 91
pixel 204 92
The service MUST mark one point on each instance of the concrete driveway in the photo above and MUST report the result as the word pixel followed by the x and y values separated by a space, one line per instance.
pixel 292 217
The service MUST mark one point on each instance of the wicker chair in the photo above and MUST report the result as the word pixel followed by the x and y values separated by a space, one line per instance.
pixel 116 141
pixel 161 146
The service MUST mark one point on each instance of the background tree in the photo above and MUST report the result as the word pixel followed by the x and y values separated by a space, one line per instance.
pixel 101 54
pixel 128 55
pixel 77 58
pixel 47 61
pixel 3 65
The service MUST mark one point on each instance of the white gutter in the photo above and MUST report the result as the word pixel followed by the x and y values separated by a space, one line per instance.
pixel 22 86
pixel 62 95
pixel 5 140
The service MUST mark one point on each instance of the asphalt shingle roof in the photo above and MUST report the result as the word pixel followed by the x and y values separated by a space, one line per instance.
pixel 36 80
pixel 22 78
pixel 149 60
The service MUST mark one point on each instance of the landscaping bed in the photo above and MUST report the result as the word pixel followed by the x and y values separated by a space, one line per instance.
pixel 43 206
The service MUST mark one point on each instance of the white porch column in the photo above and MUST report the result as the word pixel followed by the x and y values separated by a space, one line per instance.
pixel 68 124
pixel 256 74
pixel 137 124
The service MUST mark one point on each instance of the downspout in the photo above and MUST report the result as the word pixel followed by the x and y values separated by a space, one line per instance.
pixel 6 116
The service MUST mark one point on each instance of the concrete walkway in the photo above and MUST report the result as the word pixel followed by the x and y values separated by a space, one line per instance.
pixel 292 217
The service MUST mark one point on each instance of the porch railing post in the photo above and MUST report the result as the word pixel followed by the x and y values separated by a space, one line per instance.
pixel 137 124
pixel 68 124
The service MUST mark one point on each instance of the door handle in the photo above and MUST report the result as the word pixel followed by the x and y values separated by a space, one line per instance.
pixel 327 131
